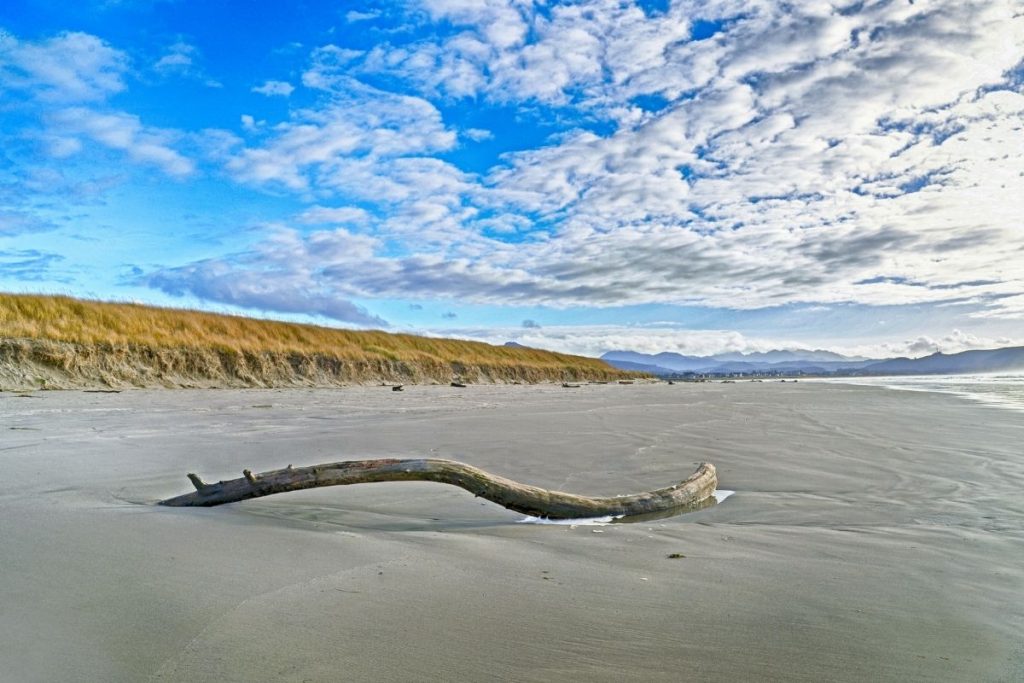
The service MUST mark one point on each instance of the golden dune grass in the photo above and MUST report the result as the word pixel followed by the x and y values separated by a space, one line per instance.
pixel 92 323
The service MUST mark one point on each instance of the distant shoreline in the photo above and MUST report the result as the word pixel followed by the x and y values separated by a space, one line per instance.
pixel 673 366
pixel 1004 390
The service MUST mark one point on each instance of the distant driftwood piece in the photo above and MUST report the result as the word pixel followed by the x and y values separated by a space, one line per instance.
pixel 529 500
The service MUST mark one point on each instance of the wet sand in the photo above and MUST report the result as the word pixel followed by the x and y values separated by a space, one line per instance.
pixel 874 535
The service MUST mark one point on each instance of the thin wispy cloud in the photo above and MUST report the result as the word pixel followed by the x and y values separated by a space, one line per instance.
pixel 126 133
pixel 30 265
pixel 182 60
pixel 353 16
pixel 69 67
pixel 177 60
pixel 594 340
pixel 275 89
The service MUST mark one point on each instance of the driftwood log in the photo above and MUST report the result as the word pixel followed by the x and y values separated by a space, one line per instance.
pixel 692 493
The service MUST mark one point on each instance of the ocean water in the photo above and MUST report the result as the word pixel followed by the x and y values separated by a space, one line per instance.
pixel 1003 390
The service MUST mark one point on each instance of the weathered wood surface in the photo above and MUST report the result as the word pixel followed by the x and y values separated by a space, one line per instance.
pixel 693 492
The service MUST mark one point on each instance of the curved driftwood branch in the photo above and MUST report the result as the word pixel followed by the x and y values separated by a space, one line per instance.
pixel 530 500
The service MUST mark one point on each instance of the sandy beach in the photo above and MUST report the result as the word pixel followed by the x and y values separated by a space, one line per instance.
pixel 874 535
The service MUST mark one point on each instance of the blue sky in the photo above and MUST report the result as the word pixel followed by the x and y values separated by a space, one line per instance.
pixel 685 176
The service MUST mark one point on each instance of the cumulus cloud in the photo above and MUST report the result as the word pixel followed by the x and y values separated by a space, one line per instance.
pixel 808 153
pixel 249 122
pixel 341 144
pixel 955 342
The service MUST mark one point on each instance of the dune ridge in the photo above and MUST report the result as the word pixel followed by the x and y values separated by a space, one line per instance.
pixel 58 342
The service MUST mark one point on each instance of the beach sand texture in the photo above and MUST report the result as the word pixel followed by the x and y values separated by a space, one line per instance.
pixel 875 535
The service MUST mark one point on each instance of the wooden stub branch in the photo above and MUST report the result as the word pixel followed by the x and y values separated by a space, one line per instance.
pixel 691 493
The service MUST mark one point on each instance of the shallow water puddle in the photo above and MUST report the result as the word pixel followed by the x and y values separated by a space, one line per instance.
pixel 587 521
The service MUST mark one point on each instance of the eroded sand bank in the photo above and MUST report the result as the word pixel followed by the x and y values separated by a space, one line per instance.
pixel 874 535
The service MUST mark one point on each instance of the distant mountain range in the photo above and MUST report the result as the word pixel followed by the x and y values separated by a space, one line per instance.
pixel 798 362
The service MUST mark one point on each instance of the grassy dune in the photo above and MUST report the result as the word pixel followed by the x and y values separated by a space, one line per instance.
pixel 60 341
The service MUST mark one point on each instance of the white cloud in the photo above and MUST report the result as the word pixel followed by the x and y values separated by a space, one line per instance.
pixel 69 67
pixel 182 61
pixel 595 340
pixel 478 134
pixel 954 342
pixel 328 67
pixel 342 144
pixel 68 79
pixel 338 214
pixel 278 277
pixel 353 16
pixel 60 147
pixel 211 144
pixel 177 60
pixel 802 155
pixel 126 133
pixel 275 89
pixel 502 23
